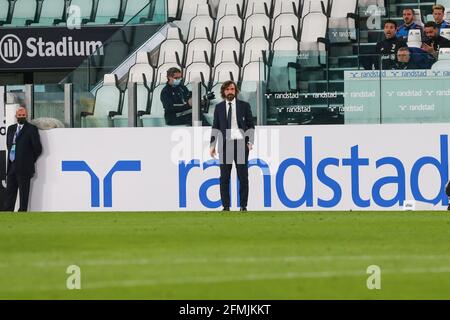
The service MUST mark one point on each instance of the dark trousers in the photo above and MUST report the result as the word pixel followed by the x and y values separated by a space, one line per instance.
pixel 234 151
pixel 16 182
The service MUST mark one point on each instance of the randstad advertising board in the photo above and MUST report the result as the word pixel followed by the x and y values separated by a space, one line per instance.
pixel 298 168
pixel 397 96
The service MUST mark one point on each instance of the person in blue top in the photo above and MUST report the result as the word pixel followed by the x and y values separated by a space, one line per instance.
pixel 408 24
pixel 438 15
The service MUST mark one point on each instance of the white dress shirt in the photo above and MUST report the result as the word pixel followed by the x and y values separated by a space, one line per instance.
pixel 236 133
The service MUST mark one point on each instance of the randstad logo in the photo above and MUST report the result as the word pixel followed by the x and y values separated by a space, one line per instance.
pixel 82 166
pixel 11 48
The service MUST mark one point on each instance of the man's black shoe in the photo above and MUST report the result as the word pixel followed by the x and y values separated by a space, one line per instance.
pixel 226 209
pixel 243 209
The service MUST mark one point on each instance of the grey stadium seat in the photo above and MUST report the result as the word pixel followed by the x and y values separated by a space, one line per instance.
pixel 108 11
pixel 196 50
pixel 24 13
pixel 253 50
pixel 259 6
pixel 52 12
pixel 226 50
pixel 171 47
pixel 142 101
pixel 202 25
pixel 342 23
pixel 228 27
pixel 313 44
pixel 257 25
pixel 4 9
pixel 284 25
pixel 134 7
pixel 230 7
pixel 107 102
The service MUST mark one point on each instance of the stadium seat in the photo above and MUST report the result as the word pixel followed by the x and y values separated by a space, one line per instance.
pixel 251 76
pixel 197 72
pixel 310 6
pixel 172 8
pixel 4 10
pixel 342 22
pixel 171 48
pixel 108 11
pixel 227 50
pixel 415 38
pixel 202 25
pixel 107 104
pixel 286 6
pixel 197 49
pixel 142 66
pixel 313 43
pixel 24 13
pixel 133 7
pixel 228 27
pixel 259 7
pixel 257 25
pixel 418 17
pixel 285 25
pixel 230 7
pixel 253 50
pixel 86 8
pixel 443 62
pixel 445 33
pixel 285 52
pixel 142 101
pixel 52 12
pixel 190 8
pixel 156 116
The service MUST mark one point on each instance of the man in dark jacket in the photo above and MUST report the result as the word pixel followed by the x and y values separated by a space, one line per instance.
pixel 176 99
pixel 387 48
pixel 434 41
pixel 24 147
pixel 233 131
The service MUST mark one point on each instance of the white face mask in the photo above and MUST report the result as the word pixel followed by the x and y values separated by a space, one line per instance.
pixel 177 82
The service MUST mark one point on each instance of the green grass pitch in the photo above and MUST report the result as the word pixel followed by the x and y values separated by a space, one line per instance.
pixel 271 255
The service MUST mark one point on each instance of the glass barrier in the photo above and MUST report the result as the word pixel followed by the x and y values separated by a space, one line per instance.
pixel 119 46
pixel 413 88
pixel 78 13
pixel 114 51
pixel 15 94
pixel 49 101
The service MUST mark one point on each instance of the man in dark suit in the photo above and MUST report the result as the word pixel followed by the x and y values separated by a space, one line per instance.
pixel 233 131
pixel 24 147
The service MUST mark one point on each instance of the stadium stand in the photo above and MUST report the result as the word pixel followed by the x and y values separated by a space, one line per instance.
pixel 311 41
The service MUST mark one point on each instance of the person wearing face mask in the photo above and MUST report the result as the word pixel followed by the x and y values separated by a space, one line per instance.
pixel 176 100
pixel 24 147
pixel 233 132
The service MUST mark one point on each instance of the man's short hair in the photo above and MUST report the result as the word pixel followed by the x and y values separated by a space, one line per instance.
pixel 225 86
pixel 172 71
pixel 409 9
pixel 403 49
pixel 431 24
pixel 437 7
pixel 391 22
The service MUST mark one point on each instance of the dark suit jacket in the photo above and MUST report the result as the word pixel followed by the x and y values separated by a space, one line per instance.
pixel 28 148
pixel 244 119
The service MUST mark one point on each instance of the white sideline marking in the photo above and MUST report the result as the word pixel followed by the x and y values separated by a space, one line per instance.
pixel 220 279
pixel 230 260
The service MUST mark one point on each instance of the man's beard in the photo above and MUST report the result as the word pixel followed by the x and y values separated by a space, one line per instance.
pixel 230 97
